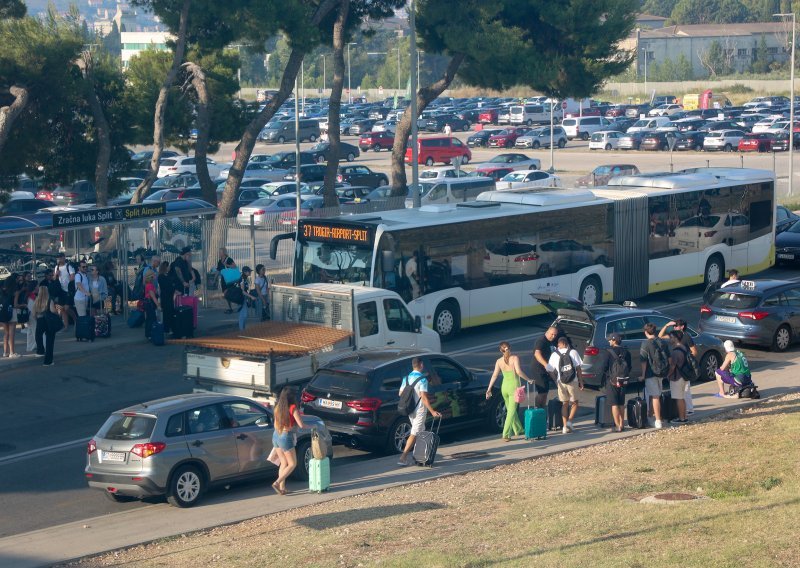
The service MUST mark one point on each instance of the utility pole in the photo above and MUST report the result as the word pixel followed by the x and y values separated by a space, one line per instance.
pixel 412 36
pixel 791 106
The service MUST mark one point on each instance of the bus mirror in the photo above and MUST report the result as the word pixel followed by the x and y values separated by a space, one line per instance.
pixel 417 324
pixel 387 261
pixel 273 244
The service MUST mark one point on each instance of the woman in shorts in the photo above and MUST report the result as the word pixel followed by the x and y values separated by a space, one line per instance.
pixel 284 438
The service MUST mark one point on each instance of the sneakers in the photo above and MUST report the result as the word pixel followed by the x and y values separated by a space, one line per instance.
pixel 14 355
pixel 569 426
pixel 565 430
pixel 678 421
pixel 659 424
pixel 49 364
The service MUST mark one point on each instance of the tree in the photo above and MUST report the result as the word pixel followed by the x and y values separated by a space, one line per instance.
pixel 709 12
pixel 334 108
pixel 716 58
pixel 762 60
pixel 12 9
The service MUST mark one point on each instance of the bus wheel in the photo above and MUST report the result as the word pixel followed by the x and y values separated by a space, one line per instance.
pixel 447 320
pixel 715 269
pixel 591 292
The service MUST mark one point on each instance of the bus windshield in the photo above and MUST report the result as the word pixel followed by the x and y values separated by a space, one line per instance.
pixel 332 255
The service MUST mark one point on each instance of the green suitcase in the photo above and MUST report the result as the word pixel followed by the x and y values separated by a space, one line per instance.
pixel 319 475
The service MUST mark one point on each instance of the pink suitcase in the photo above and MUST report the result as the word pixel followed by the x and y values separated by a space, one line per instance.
pixel 192 302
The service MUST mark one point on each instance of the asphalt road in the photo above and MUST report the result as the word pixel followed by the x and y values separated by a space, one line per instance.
pixel 49 415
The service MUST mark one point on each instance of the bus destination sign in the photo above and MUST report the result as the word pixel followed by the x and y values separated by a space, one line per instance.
pixel 336 233
pixel 108 215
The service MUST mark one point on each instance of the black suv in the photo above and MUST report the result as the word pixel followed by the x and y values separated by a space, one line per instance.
pixel 437 123
pixel 357 397
pixel 308 173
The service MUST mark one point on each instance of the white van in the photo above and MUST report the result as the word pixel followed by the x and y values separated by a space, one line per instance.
pixel 584 126
pixel 450 190
pixel 529 114
pixel 650 124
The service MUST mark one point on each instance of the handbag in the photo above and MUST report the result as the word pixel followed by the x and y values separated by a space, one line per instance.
pixel 318 449
pixel 519 394
pixel 23 315
pixel 273 457
pixel 53 322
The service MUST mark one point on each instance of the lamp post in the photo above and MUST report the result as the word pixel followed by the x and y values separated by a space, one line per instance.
pixel 323 72
pixel 349 89
pixel 412 37
pixel 303 86
pixel 791 106
pixel 644 50
pixel 552 168
pixel 398 68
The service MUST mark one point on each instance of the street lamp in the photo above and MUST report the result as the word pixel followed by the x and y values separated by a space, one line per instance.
pixel 791 106
pixel 398 69
pixel 412 42
pixel 420 52
pixel 644 50
pixel 323 72
pixel 349 89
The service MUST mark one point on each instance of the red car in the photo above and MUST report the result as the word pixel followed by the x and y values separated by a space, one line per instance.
pixel 506 138
pixel 756 142
pixel 376 141
pixel 494 172
pixel 46 194
pixel 488 116
pixel 590 111
pixel 618 110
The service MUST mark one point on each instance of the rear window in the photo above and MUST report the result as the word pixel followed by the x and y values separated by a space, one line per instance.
pixel 348 383
pixel 123 427
pixel 728 300
pixel 569 122
pixel 168 162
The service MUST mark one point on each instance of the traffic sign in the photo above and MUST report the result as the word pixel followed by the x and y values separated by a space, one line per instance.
pixel 109 215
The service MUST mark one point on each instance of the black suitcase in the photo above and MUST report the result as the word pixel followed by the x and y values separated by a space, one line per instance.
pixel 427 444
pixel 182 322
pixel 555 421
pixel 84 328
pixel 602 411
pixel 637 413
pixel 669 407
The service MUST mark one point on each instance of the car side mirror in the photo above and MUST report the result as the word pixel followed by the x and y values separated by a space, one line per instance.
pixel 262 422
pixel 417 324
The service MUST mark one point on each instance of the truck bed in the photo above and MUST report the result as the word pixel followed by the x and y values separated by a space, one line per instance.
pixel 272 337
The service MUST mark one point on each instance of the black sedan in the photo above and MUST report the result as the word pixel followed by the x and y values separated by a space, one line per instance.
pixel 787 245
pixel 308 173
pixel 480 139
pixel 361 175
pixel 322 151
pixel 690 141
pixel 18 206
pixel 357 397
pixel 439 122
pixel 784 218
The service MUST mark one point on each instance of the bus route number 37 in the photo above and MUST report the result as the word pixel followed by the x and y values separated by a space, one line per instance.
pixel 334 233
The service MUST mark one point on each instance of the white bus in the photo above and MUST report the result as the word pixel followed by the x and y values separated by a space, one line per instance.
pixel 461 265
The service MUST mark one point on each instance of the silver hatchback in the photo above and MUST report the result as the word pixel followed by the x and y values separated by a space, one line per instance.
pixel 181 445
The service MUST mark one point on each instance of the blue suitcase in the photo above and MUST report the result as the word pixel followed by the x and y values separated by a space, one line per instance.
pixel 157 334
pixel 319 475
pixel 135 319
pixel 84 328
pixel 534 419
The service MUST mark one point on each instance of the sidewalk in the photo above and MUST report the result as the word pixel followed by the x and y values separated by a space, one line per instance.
pixel 127 528
pixel 209 322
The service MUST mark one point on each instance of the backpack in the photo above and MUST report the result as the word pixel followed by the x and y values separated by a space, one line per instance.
pixel 619 368
pixel 138 287
pixel 6 308
pixel 406 404
pixel 566 370
pixel 690 370
pixel 659 362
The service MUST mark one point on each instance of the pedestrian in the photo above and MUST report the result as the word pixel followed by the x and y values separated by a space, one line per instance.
pixel 448 130
pixel 167 290
pixel 33 291
pixel 412 273
pixel 508 366
pixel 688 344
pixel 45 310
pixel 616 376
pixel 284 438
pixel 114 286
pixel 734 371
pixel 733 278
pixel 677 379
pixel 82 293
pixel 65 274
pixel 8 319
pixel 98 289
pixel 221 260
pixel 418 381
pixel 544 347
pixel 181 273
pixel 262 290
pixel 565 363
pixel 247 298
pixel 151 303
pixel 654 357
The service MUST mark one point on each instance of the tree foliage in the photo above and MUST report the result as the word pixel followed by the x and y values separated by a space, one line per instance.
pixel 12 9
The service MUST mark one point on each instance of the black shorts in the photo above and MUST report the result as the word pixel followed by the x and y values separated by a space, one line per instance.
pixel 616 395
pixel 541 384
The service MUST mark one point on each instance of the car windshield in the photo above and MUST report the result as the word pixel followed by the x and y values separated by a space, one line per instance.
pixel 597 137
pixel 263 202
pixel 127 427
pixel 794 228
pixel 424 189
pixel 734 301
pixel 319 146
pixel 701 221
pixel 602 170
pixel 349 383
pixel 141 155
pixel 429 174
pixel 515 176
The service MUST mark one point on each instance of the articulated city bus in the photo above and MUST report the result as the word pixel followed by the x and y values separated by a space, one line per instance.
pixel 466 264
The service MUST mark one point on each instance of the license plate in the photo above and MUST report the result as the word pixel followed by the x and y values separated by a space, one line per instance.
pixel 726 319
pixel 113 456
pixel 327 403
pixel 685 243
pixel 786 256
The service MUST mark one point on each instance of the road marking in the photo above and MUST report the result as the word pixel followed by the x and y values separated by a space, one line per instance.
pixel 30 454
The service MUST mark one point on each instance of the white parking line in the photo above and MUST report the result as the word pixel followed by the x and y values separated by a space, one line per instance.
pixel 30 454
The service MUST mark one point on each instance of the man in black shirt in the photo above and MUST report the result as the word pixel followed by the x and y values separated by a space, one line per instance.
pixel 685 340
pixel 542 349
pixel 616 379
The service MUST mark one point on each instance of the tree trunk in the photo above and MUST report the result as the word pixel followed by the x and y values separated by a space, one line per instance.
pixel 103 133
pixel 161 106
pixel 10 113
pixel 203 121
pixel 424 97
pixel 334 110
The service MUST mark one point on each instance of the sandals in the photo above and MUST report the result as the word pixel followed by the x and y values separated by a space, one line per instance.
pixel 277 489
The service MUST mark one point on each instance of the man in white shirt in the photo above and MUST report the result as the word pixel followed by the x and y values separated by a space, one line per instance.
pixel 566 363
pixel 412 275
pixel 733 278
pixel 419 383
pixel 82 292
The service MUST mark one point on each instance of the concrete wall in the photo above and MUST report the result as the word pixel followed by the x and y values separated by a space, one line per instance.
pixel 680 88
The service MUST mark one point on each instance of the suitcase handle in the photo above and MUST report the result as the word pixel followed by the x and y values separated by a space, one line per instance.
pixel 435 423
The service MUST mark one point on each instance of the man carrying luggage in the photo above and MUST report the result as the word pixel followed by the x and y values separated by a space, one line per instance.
pixel 567 366
pixel 617 375
pixel 654 356
pixel 544 347
pixel 419 383
pixel 688 344
pixel 676 375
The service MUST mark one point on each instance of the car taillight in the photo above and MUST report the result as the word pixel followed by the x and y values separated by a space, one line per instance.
pixel 91 447
pixel 307 397
pixel 365 404
pixel 173 168
pixel 709 234
pixel 259 212
pixel 591 351
pixel 705 310
pixel 70 195
pixel 527 257
pixel 148 449
pixel 754 315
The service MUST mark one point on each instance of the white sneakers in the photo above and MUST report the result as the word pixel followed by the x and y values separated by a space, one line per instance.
pixel 565 430
pixel 569 426
pixel 658 424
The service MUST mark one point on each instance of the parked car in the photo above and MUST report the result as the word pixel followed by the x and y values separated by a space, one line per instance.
pixel 495 172
pixel 276 188
pixel 308 208
pixel 288 159
pixel 601 174
pixel 174 180
pixel 787 238
pixel 656 141
pixel 689 124
pixel 507 137
pixel 605 140
pixel 584 127
pixel 80 192
pixel 690 141
pixel 631 141
pixel 665 110
pixel 266 210
pixel 153 448
pixel 180 164
pixel 359 127
pixel 781 143
pixel 437 123
pixel 380 193
pixel 322 151
pixel 439 149
pixel 756 312
pixel 488 116
pixel 21 206
pixel 724 140
pixel 260 170
pixel 480 138
pixel 142 159
pixel 540 138
pixel 361 175
pixel 389 126
pixel 701 232
pixel 308 173
pixel 588 328
pixel 756 142
pixel 349 194
pixel 376 141
pixel 784 218
pixel 517 161
pixel 528 178
pixel 284 131
pixel 357 395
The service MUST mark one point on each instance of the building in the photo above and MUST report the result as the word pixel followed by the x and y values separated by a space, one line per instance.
pixel 134 42
pixel 739 42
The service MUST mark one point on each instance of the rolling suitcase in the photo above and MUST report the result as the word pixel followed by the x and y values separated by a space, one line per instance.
pixel 182 322
pixel 84 328
pixel 319 475
pixel 534 419
pixel 555 420
pixel 602 415
pixel 637 413
pixel 157 334
pixel 669 407
pixel 191 302
pixel 135 319
pixel 427 444
pixel 102 325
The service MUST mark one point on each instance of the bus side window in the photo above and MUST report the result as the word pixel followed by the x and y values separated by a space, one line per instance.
pixel 367 319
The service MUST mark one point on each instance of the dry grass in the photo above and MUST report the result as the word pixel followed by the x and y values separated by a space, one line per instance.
pixel 575 509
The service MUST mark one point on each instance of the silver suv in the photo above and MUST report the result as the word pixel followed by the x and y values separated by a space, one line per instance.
pixel 181 445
